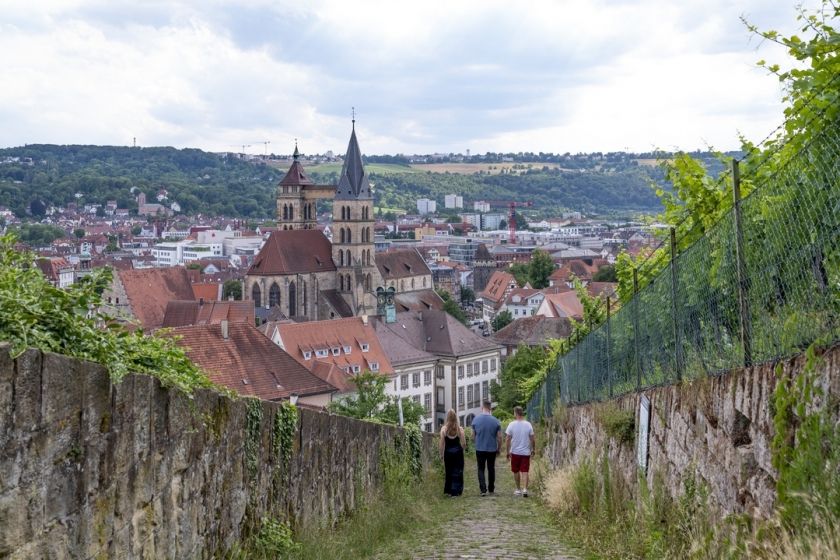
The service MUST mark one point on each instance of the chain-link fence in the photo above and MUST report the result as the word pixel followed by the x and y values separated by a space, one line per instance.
pixel 763 283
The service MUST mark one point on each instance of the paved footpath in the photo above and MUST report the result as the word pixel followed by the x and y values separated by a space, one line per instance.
pixel 472 526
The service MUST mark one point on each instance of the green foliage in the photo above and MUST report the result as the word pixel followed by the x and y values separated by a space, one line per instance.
pixel 273 540
pixel 34 313
pixel 501 320
pixel 605 274
pixel 253 424
pixel 38 235
pixel 520 272
pixel 507 392
pixel 540 268
pixel 79 233
pixel 232 288
pixel 283 433
pixel 467 295
pixel 370 402
pixel 452 307
pixel 619 424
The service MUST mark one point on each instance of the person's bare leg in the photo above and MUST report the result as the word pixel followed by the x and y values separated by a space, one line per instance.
pixel 524 478
pixel 516 480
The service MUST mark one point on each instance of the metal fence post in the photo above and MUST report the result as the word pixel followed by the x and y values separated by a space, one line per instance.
pixel 637 355
pixel 743 280
pixel 674 281
pixel 609 365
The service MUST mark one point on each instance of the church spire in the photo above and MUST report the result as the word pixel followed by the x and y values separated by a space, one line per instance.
pixel 353 183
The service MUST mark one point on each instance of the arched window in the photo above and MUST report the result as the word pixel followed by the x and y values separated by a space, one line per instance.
pixel 274 295
pixel 340 257
pixel 347 258
pixel 256 295
pixel 341 235
pixel 291 212
pixel 348 212
pixel 303 298
pixel 292 299
pixel 349 236
pixel 367 283
pixel 341 282
pixel 349 284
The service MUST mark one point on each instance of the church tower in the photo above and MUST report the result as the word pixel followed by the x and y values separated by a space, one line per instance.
pixel 296 210
pixel 352 233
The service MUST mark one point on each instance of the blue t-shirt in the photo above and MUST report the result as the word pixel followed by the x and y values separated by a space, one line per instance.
pixel 486 428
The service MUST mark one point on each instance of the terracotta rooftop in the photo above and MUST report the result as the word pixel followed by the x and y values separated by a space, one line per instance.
pixel 150 290
pixel 564 304
pixel 294 251
pixel 394 265
pixel 533 331
pixel 248 362
pixel 497 285
pixel 348 344
pixel 184 313
pixel 208 291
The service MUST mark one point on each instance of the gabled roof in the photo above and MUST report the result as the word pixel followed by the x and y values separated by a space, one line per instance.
pixel 312 336
pixel 207 291
pixel 294 251
pixel 337 303
pixel 150 290
pixel 184 313
pixel 394 265
pixel 353 183
pixel 497 285
pixel 437 332
pixel 418 300
pixel 533 331
pixel 399 350
pixel 482 254
pixel 248 362
pixel 564 304
pixel 295 174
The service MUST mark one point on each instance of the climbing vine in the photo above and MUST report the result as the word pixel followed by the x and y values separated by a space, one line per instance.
pixel 253 421
pixel 283 432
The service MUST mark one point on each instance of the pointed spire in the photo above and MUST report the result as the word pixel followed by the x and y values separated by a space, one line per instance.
pixel 353 182
pixel 353 109
pixel 296 154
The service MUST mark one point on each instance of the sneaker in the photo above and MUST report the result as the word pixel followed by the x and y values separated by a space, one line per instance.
pixel 525 493
pixel 484 493
pixel 517 492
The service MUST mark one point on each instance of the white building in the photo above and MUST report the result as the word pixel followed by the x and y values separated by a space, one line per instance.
pixel 491 221
pixel 481 206
pixel 453 201
pixel 426 206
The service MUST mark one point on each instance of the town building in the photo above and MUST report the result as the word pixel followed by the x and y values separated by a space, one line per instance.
pixel 426 206
pixel 453 201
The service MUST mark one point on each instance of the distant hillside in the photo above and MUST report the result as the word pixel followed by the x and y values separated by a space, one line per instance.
pixel 203 182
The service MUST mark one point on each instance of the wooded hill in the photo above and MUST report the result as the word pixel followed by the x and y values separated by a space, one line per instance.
pixel 211 184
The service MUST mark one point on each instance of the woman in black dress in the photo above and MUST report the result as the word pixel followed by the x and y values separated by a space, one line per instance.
pixel 452 443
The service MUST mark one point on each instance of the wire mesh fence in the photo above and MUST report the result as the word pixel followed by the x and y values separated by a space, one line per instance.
pixel 762 284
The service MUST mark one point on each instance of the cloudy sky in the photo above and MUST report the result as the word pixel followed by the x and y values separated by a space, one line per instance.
pixel 424 76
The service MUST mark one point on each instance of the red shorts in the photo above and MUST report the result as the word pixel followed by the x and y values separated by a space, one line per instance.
pixel 520 463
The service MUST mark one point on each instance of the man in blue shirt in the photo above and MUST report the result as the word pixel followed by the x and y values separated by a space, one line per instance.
pixel 488 444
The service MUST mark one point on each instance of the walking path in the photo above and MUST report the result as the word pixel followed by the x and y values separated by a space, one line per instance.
pixel 491 527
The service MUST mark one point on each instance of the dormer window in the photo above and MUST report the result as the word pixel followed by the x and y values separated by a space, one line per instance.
pixel 336 351
pixel 323 353
pixel 356 369
pixel 365 347
pixel 307 354
pixel 374 366
pixel 347 349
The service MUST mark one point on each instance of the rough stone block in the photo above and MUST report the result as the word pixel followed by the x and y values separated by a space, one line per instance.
pixel 61 388
pixel 27 391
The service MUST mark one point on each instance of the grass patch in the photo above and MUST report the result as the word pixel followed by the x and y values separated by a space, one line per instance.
pixel 619 424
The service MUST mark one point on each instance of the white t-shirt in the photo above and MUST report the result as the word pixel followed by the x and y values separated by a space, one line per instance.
pixel 520 432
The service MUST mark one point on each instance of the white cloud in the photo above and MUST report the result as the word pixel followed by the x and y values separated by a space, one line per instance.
pixel 426 76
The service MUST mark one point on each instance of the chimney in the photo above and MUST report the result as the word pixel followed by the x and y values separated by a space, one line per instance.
pixel 365 320
pixel 225 329
pixel 201 301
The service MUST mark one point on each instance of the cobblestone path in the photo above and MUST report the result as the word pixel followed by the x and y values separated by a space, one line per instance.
pixel 472 526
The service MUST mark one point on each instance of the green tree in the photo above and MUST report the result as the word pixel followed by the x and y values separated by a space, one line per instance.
pixel 467 295
pixel 520 273
pixel 136 230
pixel 501 320
pixel 370 402
pixel 540 268
pixel 79 233
pixel 452 307
pixel 232 288
pixel 605 274
pixel 454 219
pixel 507 392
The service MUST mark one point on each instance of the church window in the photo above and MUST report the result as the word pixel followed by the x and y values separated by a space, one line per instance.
pixel 340 257
pixel 255 295
pixel 292 299
pixel 341 235
pixel 274 295
pixel 349 236
pixel 303 285
pixel 291 212
pixel 367 283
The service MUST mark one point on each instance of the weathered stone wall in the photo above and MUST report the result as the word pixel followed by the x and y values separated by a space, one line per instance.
pixel 718 429
pixel 90 469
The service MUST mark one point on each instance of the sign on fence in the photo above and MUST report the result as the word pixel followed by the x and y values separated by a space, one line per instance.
pixel 642 437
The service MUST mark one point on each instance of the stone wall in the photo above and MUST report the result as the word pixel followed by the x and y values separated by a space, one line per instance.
pixel 718 429
pixel 90 469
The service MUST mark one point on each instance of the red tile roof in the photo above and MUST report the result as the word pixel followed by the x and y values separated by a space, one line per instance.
pixel 497 285
pixel 208 292
pixel 315 337
pixel 183 313
pixel 393 265
pixel 149 290
pixel 248 362
pixel 564 304
pixel 294 251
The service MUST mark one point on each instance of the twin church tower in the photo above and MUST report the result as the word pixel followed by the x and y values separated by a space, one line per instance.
pixel 294 258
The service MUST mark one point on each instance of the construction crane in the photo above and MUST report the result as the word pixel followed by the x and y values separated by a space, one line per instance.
pixel 265 144
pixel 243 146
pixel 512 205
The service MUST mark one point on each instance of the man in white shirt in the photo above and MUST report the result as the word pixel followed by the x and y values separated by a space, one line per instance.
pixel 521 445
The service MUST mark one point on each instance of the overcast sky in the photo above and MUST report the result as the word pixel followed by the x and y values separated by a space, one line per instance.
pixel 424 76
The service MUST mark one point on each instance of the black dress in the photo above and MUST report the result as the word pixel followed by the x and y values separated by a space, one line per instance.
pixel 453 460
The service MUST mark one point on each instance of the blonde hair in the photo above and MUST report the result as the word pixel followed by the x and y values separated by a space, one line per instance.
pixel 451 427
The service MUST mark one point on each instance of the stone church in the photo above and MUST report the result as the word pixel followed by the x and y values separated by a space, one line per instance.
pixel 298 269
